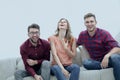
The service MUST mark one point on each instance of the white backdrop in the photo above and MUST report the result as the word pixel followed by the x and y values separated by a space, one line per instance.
pixel 16 15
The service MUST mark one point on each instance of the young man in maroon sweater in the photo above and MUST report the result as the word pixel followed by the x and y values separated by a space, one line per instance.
pixel 35 53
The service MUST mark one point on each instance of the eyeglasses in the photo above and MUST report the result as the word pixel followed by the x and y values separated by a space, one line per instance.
pixel 32 33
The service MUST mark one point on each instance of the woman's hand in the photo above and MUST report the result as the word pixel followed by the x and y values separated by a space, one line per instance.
pixel 66 73
pixel 65 44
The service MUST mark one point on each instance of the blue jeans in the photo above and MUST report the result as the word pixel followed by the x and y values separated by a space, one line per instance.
pixel 74 69
pixel 114 62
pixel 44 71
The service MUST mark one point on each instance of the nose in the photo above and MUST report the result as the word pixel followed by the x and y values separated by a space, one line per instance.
pixel 34 34
pixel 89 23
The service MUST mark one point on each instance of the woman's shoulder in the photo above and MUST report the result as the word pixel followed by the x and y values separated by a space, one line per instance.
pixel 73 38
pixel 53 37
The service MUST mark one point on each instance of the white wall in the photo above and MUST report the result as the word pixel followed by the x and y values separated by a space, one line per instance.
pixel 16 15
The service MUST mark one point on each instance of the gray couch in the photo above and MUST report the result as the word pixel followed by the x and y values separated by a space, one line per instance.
pixel 9 66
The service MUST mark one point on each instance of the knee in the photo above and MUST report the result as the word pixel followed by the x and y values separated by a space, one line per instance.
pixel 115 58
pixel 17 73
pixel 76 67
pixel 86 63
pixel 46 64
pixel 55 68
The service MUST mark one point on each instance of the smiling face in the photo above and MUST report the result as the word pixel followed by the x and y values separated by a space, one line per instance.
pixel 33 34
pixel 63 24
pixel 90 24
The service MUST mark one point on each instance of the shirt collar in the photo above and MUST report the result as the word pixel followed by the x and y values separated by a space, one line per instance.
pixel 39 43
pixel 95 32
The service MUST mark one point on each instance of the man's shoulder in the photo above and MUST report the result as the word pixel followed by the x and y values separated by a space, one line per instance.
pixel 44 41
pixel 24 44
pixel 83 32
pixel 103 31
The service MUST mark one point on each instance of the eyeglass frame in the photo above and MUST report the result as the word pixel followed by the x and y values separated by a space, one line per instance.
pixel 32 33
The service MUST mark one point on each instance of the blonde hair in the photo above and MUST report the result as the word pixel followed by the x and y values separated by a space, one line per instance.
pixel 68 35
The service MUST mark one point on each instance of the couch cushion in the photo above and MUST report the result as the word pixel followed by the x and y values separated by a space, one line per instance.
pixel 86 74
pixel 107 74
pixel 20 65
pixel 103 74
pixel 26 78
pixel 10 78
pixel 90 75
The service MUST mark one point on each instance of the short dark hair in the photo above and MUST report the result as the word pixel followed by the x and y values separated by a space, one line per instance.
pixel 89 15
pixel 33 26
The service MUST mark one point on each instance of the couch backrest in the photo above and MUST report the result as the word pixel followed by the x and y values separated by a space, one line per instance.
pixel 20 65
pixel 84 53
pixel 7 68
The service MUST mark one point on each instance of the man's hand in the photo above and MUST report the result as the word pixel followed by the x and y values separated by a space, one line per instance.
pixel 105 61
pixel 31 62
pixel 38 77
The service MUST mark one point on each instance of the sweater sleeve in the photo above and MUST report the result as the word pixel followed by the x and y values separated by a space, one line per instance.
pixel 24 58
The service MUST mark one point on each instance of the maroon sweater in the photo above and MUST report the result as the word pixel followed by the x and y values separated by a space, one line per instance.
pixel 40 52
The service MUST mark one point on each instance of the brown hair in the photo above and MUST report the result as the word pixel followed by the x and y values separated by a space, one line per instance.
pixel 33 26
pixel 89 15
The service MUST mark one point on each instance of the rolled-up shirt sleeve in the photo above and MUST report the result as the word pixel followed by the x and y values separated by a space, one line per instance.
pixel 110 41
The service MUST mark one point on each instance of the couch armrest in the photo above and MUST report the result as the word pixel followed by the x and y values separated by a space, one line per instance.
pixel 84 53
pixel 7 68
pixel 78 59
